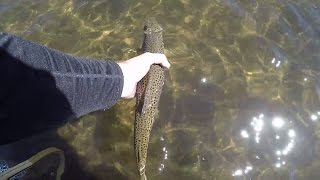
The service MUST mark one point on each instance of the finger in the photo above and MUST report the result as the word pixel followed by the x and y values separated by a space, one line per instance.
pixel 159 58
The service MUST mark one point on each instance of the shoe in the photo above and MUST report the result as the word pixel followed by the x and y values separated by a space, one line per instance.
pixel 44 165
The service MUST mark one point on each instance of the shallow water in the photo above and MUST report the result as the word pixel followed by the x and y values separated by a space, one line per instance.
pixel 240 101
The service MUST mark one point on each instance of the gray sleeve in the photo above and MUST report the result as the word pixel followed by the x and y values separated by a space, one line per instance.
pixel 88 84
pixel 54 83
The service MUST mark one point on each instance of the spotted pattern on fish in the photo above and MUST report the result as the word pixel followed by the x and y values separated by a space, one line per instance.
pixel 148 95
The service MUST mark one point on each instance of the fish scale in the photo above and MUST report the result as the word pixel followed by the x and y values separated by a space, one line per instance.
pixel 148 95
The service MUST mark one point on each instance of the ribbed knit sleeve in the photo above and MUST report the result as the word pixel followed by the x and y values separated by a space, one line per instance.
pixel 62 83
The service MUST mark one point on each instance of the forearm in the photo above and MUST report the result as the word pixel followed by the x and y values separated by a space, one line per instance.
pixel 88 84
pixel 42 88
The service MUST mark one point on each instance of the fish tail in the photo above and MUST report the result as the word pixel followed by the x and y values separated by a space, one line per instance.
pixel 143 176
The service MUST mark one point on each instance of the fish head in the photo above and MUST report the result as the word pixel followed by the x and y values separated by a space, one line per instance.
pixel 151 26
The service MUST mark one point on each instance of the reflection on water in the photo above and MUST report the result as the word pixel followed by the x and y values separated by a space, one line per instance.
pixel 240 101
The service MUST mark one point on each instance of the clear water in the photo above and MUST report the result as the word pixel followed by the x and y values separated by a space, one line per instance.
pixel 240 101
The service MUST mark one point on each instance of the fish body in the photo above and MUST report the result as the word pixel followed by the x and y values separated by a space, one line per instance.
pixel 148 95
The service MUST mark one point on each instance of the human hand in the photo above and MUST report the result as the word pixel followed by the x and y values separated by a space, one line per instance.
pixel 136 68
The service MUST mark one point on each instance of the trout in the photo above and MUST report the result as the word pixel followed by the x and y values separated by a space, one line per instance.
pixel 148 95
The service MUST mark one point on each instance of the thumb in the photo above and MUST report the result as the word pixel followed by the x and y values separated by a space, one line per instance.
pixel 158 58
